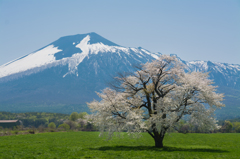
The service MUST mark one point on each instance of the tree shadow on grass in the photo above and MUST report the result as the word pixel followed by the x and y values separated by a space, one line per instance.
pixel 152 148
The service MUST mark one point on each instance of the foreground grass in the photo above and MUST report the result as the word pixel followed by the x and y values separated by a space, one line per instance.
pixel 89 145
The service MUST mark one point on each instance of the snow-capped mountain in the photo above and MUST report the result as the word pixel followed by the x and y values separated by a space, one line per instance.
pixel 70 70
pixel 72 51
pixel 67 71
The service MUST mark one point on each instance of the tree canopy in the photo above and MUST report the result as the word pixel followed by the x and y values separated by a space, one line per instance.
pixel 154 98
pixel 74 116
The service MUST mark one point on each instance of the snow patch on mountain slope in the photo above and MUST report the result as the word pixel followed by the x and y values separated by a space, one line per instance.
pixel 88 49
pixel 220 65
pixel 199 64
pixel 101 48
pixel 235 67
pixel 33 60
pixel 217 65
pixel 73 62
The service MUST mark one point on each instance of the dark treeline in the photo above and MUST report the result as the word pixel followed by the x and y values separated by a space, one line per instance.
pixel 35 119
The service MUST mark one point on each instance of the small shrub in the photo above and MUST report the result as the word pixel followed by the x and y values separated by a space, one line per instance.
pixel 7 131
pixel 52 125
pixel 227 127
pixel 82 115
pixel 20 127
pixel 16 132
pixel 81 123
pixel 64 126
pixel 237 129
pixel 25 132
pixel 72 124
pixel 41 128
pixel 31 131
pixel 74 116
pixel 184 129
pixel 52 130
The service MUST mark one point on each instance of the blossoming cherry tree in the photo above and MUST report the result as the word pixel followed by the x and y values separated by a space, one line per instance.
pixel 154 98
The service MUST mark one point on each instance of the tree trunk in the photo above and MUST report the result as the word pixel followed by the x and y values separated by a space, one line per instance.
pixel 158 138
pixel 158 142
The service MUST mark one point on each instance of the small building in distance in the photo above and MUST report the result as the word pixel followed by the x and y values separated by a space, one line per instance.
pixel 9 123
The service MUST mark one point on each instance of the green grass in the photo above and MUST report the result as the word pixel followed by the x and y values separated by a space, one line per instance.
pixel 89 145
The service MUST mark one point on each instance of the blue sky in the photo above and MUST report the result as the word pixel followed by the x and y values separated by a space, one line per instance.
pixel 192 29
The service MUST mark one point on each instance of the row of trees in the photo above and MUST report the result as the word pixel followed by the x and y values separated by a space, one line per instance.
pixel 74 122
pixel 225 127
pixel 79 121
pixel 35 119
pixel 229 127
pixel 50 120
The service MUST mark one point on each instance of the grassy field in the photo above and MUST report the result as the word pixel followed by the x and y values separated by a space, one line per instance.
pixel 89 145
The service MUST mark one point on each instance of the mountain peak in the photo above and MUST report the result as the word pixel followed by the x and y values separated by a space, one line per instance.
pixel 94 38
pixel 68 43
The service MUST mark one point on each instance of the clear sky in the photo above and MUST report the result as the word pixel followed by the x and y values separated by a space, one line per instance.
pixel 192 29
